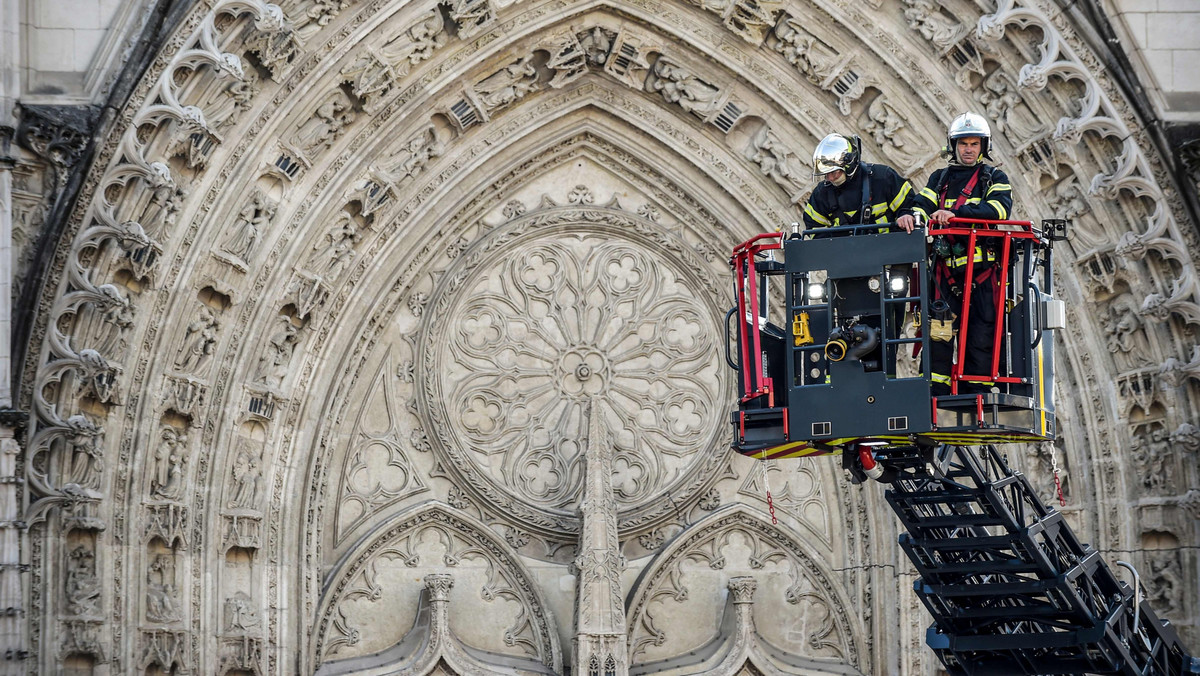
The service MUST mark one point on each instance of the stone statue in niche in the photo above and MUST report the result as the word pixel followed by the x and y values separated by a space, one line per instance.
pixel 252 220
pixel 1003 105
pixel 752 19
pixel 328 122
pixel 884 123
pixel 596 44
pixel 1125 336
pixel 170 460
pixel 274 362
pixel 567 59
pixel 925 18
pixel 235 99
pixel 240 614
pixel 425 36
pixel 417 153
pixel 1151 451
pixel 247 474
pixel 162 603
pixel 470 16
pixel 198 342
pixel 83 585
pixel 117 318
pixel 1165 583
pixel 816 61
pixel 678 85
pixel 163 200
pixel 776 161
pixel 510 84
pixel 86 454
pixel 1068 202
pixel 338 249
pixel 316 15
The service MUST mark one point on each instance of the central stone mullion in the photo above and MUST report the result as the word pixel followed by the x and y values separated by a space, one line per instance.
pixel 600 632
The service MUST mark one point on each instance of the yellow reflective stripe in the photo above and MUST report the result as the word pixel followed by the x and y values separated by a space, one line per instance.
pixel 1002 214
pixel 880 208
pixel 904 190
pixel 979 258
pixel 950 202
pixel 928 192
pixel 919 210
pixel 812 213
pixel 999 186
pixel 939 378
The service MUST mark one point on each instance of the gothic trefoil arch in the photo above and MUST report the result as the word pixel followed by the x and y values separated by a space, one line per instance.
pixel 354 293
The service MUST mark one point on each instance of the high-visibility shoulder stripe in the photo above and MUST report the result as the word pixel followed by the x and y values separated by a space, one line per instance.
pixel 929 193
pixel 1001 212
pixel 899 198
pixel 813 214
pixel 1001 187
pixel 880 208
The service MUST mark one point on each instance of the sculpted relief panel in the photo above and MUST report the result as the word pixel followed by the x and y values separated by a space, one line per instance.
pixel 542 326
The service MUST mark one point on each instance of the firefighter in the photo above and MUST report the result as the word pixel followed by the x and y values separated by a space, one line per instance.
pixel 855 192
pixel 967 188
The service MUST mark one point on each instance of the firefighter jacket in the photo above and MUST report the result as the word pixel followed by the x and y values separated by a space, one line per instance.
pixel 990 197
pixel 887 197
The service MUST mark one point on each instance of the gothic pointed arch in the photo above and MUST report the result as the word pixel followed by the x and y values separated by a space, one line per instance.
pixel 326 246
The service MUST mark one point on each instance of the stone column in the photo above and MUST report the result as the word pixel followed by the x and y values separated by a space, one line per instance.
pixel 600 635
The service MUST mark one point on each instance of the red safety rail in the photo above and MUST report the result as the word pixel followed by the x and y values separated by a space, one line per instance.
pixel 973 229
pixel 750 339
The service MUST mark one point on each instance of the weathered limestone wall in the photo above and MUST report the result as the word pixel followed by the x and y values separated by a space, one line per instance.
pixel 353 295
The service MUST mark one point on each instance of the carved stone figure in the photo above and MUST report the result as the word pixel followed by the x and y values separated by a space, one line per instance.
pixel 247 474
pixel 416 44
pixel 198 342
pixel 471 16
pixel 417 153
pixel 252 220
pixel 338 249
pixel 1165 584
pixel 83 585
pixel 240 614
pixel 185 396
pixel 162 602
pixel 316 15
pixel 117 318
pixel 236 98
pixel 884 123
pixel 1125 335
pixel 328 123
pixel 85 453
pixel 162 201
pixel 596 44
pixel 776 161
pixel 815 60
pixel 170 460
pixel 678 85
pixel 752 19
pixel 1152 454
pixel 925 17
pixel 277 356
pixel 510 84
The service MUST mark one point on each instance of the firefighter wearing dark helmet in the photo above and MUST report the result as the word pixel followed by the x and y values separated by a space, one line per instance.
pixel 967 188
pixel 855 192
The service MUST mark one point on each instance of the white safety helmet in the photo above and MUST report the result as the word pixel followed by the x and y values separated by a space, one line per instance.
pixel 966 125
pixel 836 152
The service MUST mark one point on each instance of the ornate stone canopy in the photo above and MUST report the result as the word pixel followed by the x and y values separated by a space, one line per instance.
pixel 350 285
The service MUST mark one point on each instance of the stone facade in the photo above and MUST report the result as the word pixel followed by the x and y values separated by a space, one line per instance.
pixel 371 336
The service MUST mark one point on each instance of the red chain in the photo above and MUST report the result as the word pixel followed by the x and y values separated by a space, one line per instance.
pixel 1062 501
pixel 771 508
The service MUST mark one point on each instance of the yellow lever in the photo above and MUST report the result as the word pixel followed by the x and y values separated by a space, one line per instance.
pixel 800 330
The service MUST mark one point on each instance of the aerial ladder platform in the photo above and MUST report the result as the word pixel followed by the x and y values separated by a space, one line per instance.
pixel 1010 587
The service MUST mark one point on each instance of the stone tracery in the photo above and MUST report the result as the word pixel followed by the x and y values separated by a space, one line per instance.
pixel 143 205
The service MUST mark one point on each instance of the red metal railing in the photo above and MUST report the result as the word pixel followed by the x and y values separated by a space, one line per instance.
pixel 973 229
pixel 754 382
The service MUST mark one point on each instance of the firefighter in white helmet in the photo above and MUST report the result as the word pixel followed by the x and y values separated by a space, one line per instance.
pixel 967 188
pixel 855 192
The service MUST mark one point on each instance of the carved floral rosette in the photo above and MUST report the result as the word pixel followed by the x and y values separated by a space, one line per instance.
pixel 552 309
